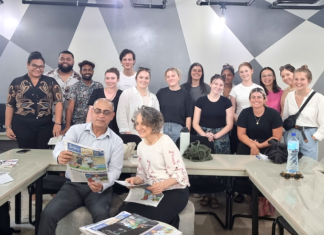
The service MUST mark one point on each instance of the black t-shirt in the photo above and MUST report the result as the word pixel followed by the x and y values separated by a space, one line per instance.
pixel 269 120
pixel 100 93
pixel 213 114
pixel 175 106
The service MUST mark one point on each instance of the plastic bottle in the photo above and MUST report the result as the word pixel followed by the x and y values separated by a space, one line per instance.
pixel 293 149
pixel 184 139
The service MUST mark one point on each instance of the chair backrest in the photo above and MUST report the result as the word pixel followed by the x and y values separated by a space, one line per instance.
pixel 203 140
pixel 2 113
pixel 127 138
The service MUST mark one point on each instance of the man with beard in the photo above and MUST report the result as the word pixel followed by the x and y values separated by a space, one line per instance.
pixel 79 95
pixel 65 77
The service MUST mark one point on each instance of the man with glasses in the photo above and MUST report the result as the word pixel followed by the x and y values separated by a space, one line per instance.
pixel 79 96
pixel 127 77
pixel 96 196
pixel 65 77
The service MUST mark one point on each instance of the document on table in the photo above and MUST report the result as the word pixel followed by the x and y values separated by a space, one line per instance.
pixel 5 178
pixel 55 140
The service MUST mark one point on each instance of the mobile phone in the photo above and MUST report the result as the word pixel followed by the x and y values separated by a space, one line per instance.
pixel 23 151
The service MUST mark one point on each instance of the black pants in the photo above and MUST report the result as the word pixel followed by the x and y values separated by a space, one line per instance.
pixel 234 141
pixel 32 133
pixel 173 202
pixel 70 197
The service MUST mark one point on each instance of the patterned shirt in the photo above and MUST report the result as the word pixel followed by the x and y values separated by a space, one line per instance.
pixel 65 87
pixel 80 93
pixel 34 101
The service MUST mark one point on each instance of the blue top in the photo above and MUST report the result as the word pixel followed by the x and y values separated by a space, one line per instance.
pixel 110 142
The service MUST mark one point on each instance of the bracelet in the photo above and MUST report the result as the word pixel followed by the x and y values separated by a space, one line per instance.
pixel 9 127
pixel 57 123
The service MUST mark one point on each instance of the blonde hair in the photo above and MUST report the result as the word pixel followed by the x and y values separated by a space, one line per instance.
pixel 175 70
pixel 306 71
pixel 247 64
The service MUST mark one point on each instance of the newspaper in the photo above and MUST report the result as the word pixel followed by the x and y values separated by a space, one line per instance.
pixel 128 185
pixel 88 164
pixel 144 196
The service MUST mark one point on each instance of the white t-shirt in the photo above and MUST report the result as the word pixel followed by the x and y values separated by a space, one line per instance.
pixel 241 94
pixel 126 82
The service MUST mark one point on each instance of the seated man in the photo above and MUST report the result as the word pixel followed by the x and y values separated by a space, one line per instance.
pixel 96 196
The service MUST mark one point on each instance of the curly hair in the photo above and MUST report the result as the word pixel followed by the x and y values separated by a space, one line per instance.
pixel 151 118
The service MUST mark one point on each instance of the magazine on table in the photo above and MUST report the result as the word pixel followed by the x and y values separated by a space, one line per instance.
pixel 128 185
pixel 88 164
pixel 8 163
pixel 144 196
pixel 129 224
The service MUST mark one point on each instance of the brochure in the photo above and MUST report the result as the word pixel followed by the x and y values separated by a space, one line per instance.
pixel 55 140
pixel 144 196
pixel 8 163
pixel 88 164
pixel 126 184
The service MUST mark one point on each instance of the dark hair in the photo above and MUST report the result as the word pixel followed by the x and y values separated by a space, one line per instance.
pixel 228 67
pixel 275 86
pixel 86 62
pixel 247 64
pixel 113 70
pixel 288 67
pixel 201 81
pixel 217 76
pixel 67 52
pixel 125 52
pixel 35 55
pixel 260 90
pixel 151 117
pixel 140 69
pixel 306 71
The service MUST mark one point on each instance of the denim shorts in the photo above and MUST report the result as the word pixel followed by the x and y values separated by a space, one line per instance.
pixel 173 130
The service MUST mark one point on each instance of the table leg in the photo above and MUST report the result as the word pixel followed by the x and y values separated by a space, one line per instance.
pixel 255 214
pixel 5 219
pixel 39 202
pixel 18 208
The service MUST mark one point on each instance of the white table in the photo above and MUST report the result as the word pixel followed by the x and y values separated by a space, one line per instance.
pixel 3 136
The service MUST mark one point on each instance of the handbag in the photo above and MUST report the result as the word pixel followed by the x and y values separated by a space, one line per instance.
pixel 290 122
pixel 197 152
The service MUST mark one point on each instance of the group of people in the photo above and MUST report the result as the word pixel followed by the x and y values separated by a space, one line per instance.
pixel 236 118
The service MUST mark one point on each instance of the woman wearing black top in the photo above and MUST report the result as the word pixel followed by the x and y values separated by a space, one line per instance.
pixel 110 92
pixel 175 105
pixel 257 124
pixel 29 106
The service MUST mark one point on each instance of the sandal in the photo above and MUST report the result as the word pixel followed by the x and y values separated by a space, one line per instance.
pixel 214 204
pixel 239 198
pixel 205 201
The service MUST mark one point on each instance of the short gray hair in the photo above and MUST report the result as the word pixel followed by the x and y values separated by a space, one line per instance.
pixel 151 117
pixel 105 100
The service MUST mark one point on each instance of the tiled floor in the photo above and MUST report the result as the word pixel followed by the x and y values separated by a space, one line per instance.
pixel 204 224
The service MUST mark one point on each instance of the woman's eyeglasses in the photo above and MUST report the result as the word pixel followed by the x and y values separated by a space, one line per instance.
pixel 296 176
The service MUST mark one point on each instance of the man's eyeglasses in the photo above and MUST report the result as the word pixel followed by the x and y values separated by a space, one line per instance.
pixel 143 69
pixel 104 112
pixel 287 176
pixel 40 67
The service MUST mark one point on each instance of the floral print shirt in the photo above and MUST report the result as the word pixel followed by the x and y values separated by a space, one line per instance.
pixel 80 93
pixel 161 161
pixel 33 101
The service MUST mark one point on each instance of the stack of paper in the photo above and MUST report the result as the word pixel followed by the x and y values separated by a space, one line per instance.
pixel 8 163
pixel 5 178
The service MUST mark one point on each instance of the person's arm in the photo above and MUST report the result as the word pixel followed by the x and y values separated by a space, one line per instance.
pixel 319 134
pixel 8 119
pixel 188 123
pixel 285 112
pixel 276 134
pixel 242 136
pixel 229 123
pixel 68 116
pixel 233 100
pixel 89 116
pixel 58 119
pixel 196 126
pixel 122 115
pixel 71 136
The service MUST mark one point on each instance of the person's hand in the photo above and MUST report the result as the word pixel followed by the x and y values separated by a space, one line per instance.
pixel 96 187
pixel 254 150
pixel 134 180
pixel 56 130
pixel 65 130
pixel 314 138
pixel 64 157
pixel 257 144
pixel 156 188
pixel 210 136
pixel 216 136
pixel 10 134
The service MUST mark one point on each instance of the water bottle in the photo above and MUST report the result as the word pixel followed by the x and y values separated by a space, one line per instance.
pixel 184 139
pixel 293 149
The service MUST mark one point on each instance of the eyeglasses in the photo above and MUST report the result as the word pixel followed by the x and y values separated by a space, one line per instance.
pixel 104 112
pixel 143 69
pixel 40 67
pixel 287 176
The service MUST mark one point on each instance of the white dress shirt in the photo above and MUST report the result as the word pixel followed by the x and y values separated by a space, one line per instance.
pixel 311 116
pixel 130 100
pixel 110 142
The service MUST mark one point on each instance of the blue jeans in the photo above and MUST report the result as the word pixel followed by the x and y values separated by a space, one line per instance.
pixel 309 149
pixel 173 130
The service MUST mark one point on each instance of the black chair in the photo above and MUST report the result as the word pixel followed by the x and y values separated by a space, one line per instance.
pixel 2 117
pixel 207 184
pixel 283 224
pixel 51 185
pixel 127 138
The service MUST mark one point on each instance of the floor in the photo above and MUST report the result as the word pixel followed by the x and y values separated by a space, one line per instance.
pixel 204 224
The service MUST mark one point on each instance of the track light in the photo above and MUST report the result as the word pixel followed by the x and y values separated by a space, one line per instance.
pixel 222 15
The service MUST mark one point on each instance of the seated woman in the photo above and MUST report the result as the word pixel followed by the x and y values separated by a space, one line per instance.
pixel 257 124
pixel 161 165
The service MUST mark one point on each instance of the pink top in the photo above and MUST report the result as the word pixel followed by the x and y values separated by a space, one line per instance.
pixel 274 100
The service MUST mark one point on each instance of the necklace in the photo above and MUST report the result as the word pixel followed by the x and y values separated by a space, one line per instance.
pixel 257 121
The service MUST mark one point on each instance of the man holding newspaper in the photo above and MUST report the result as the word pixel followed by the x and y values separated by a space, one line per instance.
pixel 96 196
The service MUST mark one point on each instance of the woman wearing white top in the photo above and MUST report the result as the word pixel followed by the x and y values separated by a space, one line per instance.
pixel 310 122
pixel 159 164
pixel 133 98
pixel 287 75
